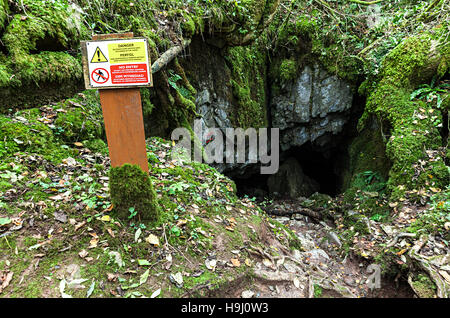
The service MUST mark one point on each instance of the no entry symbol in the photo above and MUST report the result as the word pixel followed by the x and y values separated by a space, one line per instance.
pixel 100 75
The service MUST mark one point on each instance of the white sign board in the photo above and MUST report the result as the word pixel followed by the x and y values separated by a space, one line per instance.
pixel 117 63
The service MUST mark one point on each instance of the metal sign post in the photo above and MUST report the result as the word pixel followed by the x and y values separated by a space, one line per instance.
pixel 116 65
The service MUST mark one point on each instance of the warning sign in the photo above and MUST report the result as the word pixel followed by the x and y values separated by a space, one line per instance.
pixel 133 52
pixel 129 73
pixel 98 56
pixel 124 63
pixel 100 75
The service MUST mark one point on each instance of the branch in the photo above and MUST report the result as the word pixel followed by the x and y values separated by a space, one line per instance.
pixel 366 3
pixel 168 56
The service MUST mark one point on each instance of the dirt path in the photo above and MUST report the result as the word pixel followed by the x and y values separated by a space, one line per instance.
pixel 320 269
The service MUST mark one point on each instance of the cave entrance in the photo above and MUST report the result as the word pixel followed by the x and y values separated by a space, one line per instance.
pixel 323 167
pixel 324 162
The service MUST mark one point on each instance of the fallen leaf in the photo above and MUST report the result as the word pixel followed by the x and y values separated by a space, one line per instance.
pixel 83 254
pixel 152 239
pixel 296 282
pixel 56 197
pixel 156 293
pixel 117 258
pixel 38 245
pixel 5 279
pixel 177 279
pixel 5 221
pixel 90 290
pixel 62 287
pixel 93 243
pixel 143 262
pixel 267 263
pixel 401 252
pixel 79 225
pixel 105 218
pixel 247 294
pixel 235 262
pixel 229 228
pixel 137 234
pixel 169 261
pixel 110 232
pixel 60 216
pixel 144 277
pixel 210 264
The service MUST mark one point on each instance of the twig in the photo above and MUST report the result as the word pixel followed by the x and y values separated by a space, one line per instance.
pixel 168 56
pixel 366 3
pixel 394 241
pixel 196 288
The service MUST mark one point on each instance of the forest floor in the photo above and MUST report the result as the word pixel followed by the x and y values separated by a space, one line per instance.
pixel 59 236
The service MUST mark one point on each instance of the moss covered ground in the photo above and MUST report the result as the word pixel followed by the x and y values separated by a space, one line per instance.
pixel 59 223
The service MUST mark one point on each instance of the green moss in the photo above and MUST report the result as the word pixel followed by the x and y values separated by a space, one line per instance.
pixel 248 72
pixel 33 137
pixel 4 10
pixel 130 187
pixel 288 70
pixel 411 127
pixel 306 37
pixel 318 291
pixel 356 223
pixel 4 186
pixel 366 152
pixel 97 145
pixel 424 286
pixel 77 126
pixel 54 26
pixel 188 27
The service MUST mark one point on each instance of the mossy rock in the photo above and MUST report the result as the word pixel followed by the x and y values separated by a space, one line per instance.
pixel 131 188
pixel 35 58
pixel 32 136
pixel 367 152
pixel 358 221
pixel 411 129
pixel 76 126
pixel 423 286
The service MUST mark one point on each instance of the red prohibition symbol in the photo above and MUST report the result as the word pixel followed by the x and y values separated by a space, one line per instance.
pixel 100 75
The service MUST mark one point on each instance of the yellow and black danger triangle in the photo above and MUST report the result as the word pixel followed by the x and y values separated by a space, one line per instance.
pixel 98 56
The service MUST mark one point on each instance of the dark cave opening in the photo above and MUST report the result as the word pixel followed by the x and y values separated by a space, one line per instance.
pixel 325 161
pixel 320 165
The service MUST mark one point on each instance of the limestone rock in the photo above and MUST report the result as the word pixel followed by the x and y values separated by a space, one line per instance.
pixel 310 107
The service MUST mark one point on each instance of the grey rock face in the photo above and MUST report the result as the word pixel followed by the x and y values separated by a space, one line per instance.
pixel 310 107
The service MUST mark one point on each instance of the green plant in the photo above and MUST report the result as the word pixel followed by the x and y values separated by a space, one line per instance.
pixel 369 181
pixel 430 92
pixel 433 220
pixel 178 187
pixel 317 291
pixel 133 212
pixel 173 79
